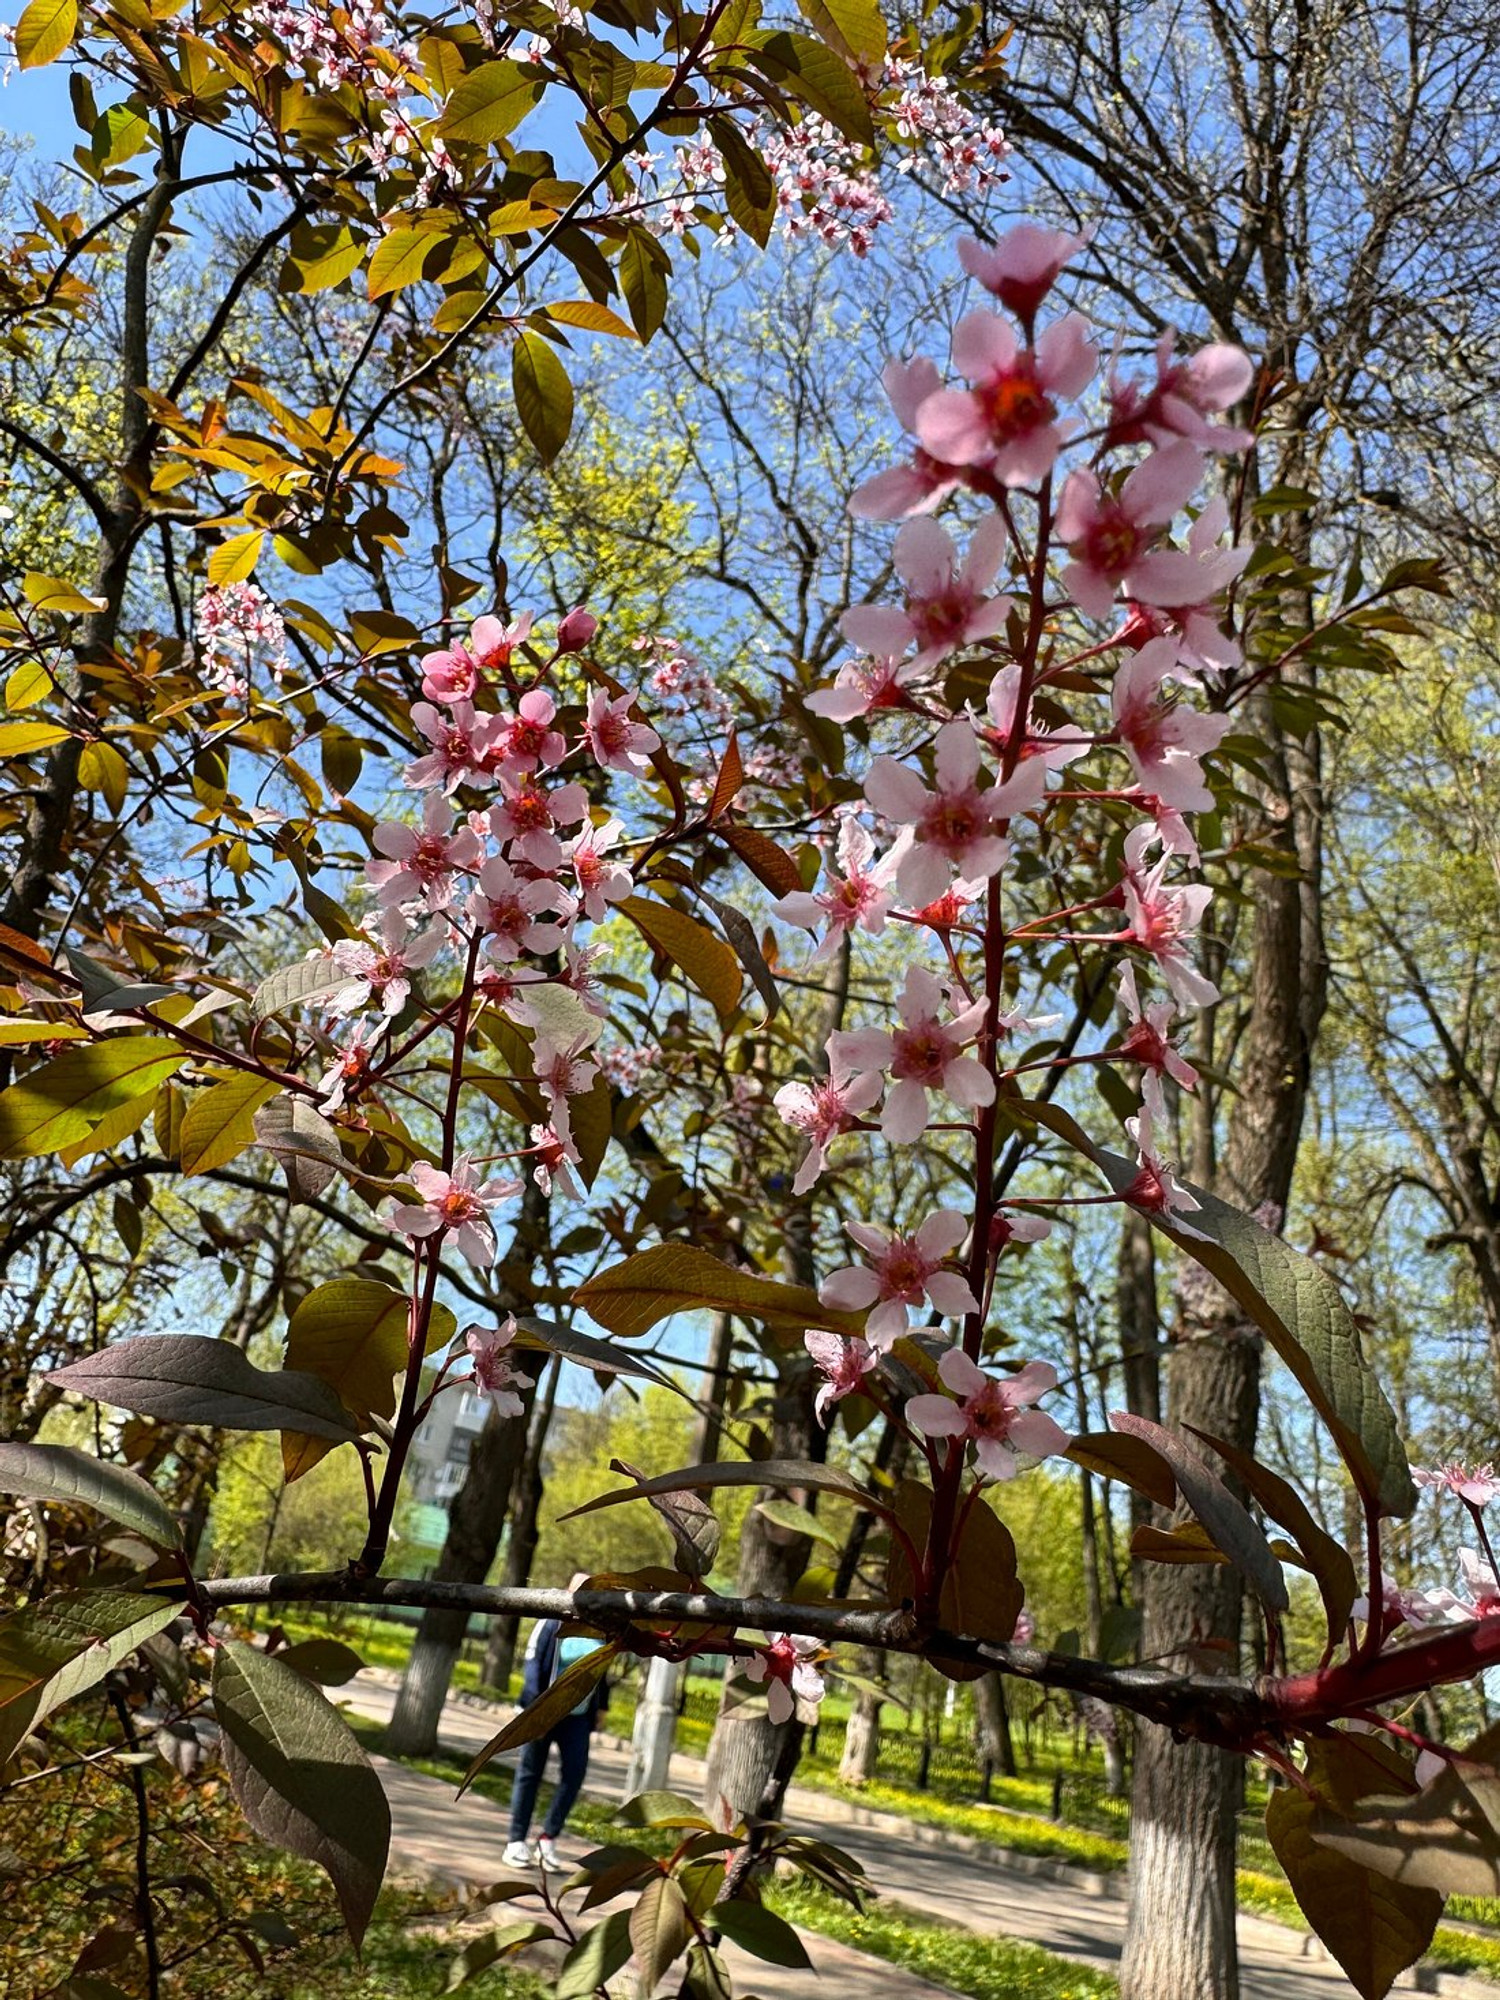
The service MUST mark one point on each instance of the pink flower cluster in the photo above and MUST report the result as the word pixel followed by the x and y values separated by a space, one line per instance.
pixel 503 885
pixel 826 189
pixel 236 625
pixel 1080 586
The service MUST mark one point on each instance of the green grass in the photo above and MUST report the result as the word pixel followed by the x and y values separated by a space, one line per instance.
pixel 985 1968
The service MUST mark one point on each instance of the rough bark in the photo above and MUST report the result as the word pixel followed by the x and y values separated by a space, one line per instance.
pixel 992 1724
pixel 475 1523
pixel 477 1517
pixel 1180 1936
pixel 523 1534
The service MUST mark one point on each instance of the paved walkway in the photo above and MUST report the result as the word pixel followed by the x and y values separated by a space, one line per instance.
pixel 1068 1911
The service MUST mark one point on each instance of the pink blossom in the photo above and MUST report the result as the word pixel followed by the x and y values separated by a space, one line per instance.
pixel 1022 267
pixel 579 976
pixel 919 486
pixel 1480 1582
pixel 528 816
pixel 992 1412
pixel 823 1110
pixel 1017 1226
pixel 1164 739
pixel 1189 581
pixel 924 1055
pixel 505 987
pixel 1112 536
pixel 1163 920
pixel 510 910
pixel 494 1370
pixel 860 686
pixel 600 881
pixel 785 1666
pixel 1156 1189
pixel 422 865
pixel 1185 394
pixel 1146 1041
pixel 458 744
pixel 1050 749
pixel 381 967
pixel 450 674
pixel 946 604
pixel 349 1071
pixel 456 1203
pixel 562 1073
pixel 616 742
pixel 1477 1484
pixel 1007 420
pixel 526 740
pixel 954 824
pixel 856 899
pixel 843 1364
pixel 554 1159
pixel 904 1270
pixel 494 644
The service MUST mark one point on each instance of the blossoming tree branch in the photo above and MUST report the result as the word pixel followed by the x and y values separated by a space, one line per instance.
pixel 1038 706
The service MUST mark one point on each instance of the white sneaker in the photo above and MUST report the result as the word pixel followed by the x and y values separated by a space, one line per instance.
pixel 547 1855
pixel 519 1854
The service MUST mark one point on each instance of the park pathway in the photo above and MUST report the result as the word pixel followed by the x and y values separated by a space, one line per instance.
pixel 1066 1910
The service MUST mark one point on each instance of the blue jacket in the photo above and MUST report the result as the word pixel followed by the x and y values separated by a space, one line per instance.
pixel 541 1670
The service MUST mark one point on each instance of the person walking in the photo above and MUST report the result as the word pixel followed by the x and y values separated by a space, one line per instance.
pixel 547 1657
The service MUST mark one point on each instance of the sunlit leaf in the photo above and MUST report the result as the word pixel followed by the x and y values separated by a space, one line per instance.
pixel 62 1472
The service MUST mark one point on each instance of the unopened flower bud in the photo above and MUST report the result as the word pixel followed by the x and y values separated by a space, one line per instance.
pixel 576 630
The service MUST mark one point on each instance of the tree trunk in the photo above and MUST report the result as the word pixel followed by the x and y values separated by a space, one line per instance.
pixel 1180 1942
pixel 861 1757
pixel 992 1724
pixel 475 1523
pixel 655 1733
pixel 524 1533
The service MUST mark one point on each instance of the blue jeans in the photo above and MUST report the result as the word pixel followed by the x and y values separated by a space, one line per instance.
pixel 571 1739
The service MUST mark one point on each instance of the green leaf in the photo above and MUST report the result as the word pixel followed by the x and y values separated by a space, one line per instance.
pixel 660 1930
pixel 598 1355
pixel 761 1932
pixel 20 739
pixel 705 959
pixel 853 28
pixel 1328 1560
pixel 590 315
pixel 544 395
pixel 61 1472
pixel 352 1334
pixel 598 1955
pixel 234 560
pixel 321 256
pixel 398 259
pixel 749 191
pixel 643 271
pixel 663 1809
pixel 489 103
pixel 300 1776
pixel 480 1953
pixel 803 1472
pixel 55 593
pixel 302 1142
pixel 188 1378
pixel 815 74
pixel 1374 1927
pixel 1231 1528
pixel 299 985
pixel 60 1103
pixel 631 1297
pixel 572 1686
pixel 44 30
pixel 798 1521
pixel 60 1646
pixel 693 1524
pixel 28 684
pixel 219 1123
pixel 1301 1311
pixel 329 1662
